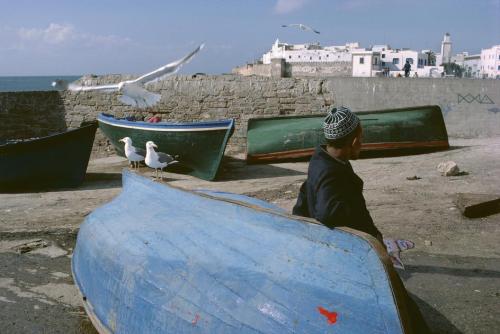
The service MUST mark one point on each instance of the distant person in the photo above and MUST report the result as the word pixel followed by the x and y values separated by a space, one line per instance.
pixel 407 69
pixel 333 193
pixel 415 75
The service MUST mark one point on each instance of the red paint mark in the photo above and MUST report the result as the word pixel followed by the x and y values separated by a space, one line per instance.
pixel 195 320
pixel 331 316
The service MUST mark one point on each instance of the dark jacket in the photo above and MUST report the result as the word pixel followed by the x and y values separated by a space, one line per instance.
pixel 333 195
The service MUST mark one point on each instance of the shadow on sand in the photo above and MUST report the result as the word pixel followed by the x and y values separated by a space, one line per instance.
pixel 436 321
pixel 233 169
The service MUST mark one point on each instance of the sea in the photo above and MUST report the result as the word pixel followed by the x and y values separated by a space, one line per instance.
pixel 34 83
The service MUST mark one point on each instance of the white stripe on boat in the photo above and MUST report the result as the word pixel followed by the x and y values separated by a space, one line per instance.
pixel 173 129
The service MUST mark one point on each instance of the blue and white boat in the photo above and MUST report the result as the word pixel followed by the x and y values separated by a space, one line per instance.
pixel 158 259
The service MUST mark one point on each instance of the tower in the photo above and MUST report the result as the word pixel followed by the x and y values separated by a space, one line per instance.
pixel 446 49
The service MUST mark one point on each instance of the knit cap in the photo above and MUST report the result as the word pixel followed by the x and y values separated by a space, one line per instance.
pixel 339 122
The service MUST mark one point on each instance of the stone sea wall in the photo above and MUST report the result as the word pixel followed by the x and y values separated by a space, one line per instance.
pixel 471 107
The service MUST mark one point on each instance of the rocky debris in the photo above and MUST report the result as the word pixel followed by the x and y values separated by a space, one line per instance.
pixel 427 242
pixel 448 168
pixel 414 177
pixel 477 205
pixel 30 246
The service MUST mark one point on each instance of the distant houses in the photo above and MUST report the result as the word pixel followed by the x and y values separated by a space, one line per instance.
pixel 296 60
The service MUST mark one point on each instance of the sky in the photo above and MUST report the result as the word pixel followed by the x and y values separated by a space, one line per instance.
pixel 55 37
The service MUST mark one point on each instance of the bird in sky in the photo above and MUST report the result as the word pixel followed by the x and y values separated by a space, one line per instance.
pixel 157 160
pixel 134 92
pixel 133 154
pixel 300 26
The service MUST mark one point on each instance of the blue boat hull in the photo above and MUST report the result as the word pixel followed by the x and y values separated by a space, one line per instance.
pixel 163 260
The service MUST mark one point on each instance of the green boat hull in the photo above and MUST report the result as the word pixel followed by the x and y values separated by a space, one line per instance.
pixel 401 130
pixel 200 149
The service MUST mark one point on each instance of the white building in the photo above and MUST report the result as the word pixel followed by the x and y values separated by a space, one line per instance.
pixel 490 62
pixel 471 64
pixel 295 53
pixel 365 63
pixel 390 62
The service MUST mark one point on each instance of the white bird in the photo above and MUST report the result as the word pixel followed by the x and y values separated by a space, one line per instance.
pixel 300 26
pixel 133 154
pixel 157 160
pixel 133 91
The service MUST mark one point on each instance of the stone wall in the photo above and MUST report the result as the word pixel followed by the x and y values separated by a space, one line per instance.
pixel 318 69
pixel 471 107
pixel 279 68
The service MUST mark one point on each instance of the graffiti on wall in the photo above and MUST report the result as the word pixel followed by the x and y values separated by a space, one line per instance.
pixel 469 98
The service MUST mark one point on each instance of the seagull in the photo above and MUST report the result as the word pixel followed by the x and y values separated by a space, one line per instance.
pixel 133 91
pixel 133 154
pixel 300 26
pixel 157 160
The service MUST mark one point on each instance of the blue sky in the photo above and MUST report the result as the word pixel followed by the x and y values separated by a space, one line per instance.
pixel 49 37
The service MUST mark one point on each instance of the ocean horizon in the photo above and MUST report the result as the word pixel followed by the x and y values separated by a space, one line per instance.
pixel 32 83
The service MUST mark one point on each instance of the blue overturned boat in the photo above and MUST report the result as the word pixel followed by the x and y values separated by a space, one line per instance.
pixel 158 259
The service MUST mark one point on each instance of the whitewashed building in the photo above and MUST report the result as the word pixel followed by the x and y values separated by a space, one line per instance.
pixel 365 63
pixel 386 61
pixel 300 53
pixel 471 64
pixel 490 62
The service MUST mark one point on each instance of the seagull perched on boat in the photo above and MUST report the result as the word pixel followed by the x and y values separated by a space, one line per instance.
pixel 157 160
pixel 133 91
pixel 133 154
pixel 300 26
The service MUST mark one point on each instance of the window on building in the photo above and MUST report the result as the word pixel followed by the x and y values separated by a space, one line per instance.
pixel 410 60
pixel 319 57
pixel 375 61
pixel 299 56
pixel 289 57
pixel 383 63
pixel 383 55
pixel 499 67
pixel 327 55
pixel 361 60
pixel 395 61
pixel 310 58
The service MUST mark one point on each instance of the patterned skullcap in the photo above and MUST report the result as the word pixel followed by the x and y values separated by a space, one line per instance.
pixel 339 122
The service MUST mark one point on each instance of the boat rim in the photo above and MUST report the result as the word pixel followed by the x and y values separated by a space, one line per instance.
pixel 168 126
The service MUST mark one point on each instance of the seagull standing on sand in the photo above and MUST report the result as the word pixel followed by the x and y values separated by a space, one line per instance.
pixel 133 91
pixel 157 160
pixel 133 154
pixel 300 26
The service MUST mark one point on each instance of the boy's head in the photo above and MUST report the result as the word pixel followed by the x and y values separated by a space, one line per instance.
pixel 342 130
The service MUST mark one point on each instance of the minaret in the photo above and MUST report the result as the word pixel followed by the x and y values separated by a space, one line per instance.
pixel 446 49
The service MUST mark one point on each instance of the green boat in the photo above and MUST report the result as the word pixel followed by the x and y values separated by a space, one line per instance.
pixel 402 130
pixel 199 145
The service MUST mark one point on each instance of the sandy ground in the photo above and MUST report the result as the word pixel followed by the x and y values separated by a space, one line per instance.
pixel 453 272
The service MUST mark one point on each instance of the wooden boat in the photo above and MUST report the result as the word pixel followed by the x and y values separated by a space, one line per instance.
pixel 158 259
pixel 199 145
pixel 55 161
pixel 403 130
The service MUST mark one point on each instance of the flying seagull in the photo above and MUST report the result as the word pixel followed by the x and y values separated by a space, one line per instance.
pixel 157 160
pixel 133 154
pixel 133 91
pixel 300 26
